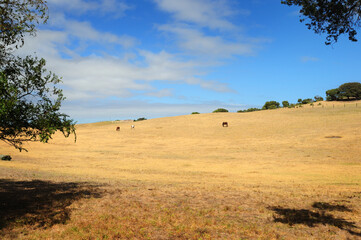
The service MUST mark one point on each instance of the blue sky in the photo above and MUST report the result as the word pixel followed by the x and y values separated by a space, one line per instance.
pixel 125 59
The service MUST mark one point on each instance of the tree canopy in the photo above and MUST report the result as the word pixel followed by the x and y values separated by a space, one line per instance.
pixel 285 104
pixel 333 17
pixel 347 91
pixel 29 98
pixel 17 18
pixel 220 110
pixel 271 105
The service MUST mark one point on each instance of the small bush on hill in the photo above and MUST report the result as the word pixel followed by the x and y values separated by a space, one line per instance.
pixel 220 110
pixel 318 98
pixel 5 157
pixel 249 110
pixel 140 119
pixel 195 112
pixel 285 104
pixel 307 101
pixel 292 105
pixel 271 105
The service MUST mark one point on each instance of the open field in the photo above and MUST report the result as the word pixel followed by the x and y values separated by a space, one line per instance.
pixel 275 174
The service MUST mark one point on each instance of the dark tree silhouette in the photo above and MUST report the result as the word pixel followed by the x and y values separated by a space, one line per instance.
pixel 333 17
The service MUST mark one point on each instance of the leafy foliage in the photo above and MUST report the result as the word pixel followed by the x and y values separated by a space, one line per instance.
pixel 249 110
pixel 30 103
pixel 285 104
pixel 17 18
pixel 307 100
pixel 333 17
pixel 195 113
pixel 350 90
pixel 332 94
pixel 292 105
pixel 220 110
pixel 29 99
pixel 140 119
pixel 347 91
pixel 271 105
pixel 318 98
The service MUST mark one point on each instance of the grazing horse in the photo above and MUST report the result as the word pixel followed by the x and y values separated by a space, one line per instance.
pixel 117 129
pixel 225 124
pixel 133 126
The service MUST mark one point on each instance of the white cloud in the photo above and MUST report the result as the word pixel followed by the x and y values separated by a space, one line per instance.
pixel 85 32
pixel 195 42
pixel 222 39
pixel 206 13
pixel 91 77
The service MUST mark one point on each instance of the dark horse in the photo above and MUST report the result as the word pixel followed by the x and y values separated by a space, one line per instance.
pixel 225 124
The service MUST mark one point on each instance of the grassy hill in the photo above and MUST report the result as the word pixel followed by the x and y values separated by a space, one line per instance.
pixel 281 174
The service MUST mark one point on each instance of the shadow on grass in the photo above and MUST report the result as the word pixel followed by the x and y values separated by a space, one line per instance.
pixel 40 203
pixel 311 218
pixel 331 207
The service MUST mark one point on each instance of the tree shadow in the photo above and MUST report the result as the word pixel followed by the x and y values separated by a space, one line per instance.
pixel 331 207
pixel 311 218
pixel 40 203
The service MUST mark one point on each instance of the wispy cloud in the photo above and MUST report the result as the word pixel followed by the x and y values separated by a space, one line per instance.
pixel 94 76
pixel 93 73
pixel 206 13
pixel 85 32
pixel 196 42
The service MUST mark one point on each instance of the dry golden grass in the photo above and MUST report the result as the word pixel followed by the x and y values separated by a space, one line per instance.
pixel 276 174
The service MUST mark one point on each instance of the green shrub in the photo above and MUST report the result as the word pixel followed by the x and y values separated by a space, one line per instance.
pixel 318 98
pixel 307 100
pixel 249 110
pixel 5 157
pixel 220 110
pixel 292 105
pixel 285 104
pixel 195 112
pixel 140 119
pixel 332 94
pixel 350 90
pixel 271 105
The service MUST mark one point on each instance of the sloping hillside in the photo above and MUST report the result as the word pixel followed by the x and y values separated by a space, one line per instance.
pixel 276 161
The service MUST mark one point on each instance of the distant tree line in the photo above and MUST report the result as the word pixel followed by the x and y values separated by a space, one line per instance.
pixel 345 92
pixel 139 119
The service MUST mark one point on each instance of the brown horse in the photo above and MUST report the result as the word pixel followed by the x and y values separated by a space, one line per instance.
pixel 225 124
pixel 117 129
